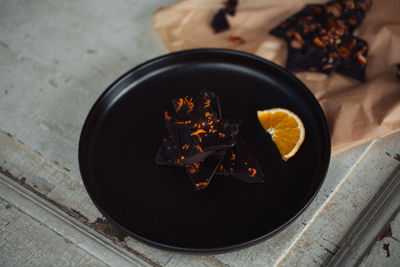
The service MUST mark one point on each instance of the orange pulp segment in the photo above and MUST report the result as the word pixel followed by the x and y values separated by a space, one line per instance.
pixel 286 129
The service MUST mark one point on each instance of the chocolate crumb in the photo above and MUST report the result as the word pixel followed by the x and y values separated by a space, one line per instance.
pixel 386 248
pixel 387 232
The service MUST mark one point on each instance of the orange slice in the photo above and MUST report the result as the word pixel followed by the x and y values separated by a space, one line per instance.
pixel 286 129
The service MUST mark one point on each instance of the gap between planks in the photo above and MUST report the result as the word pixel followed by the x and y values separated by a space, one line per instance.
pixel 68 214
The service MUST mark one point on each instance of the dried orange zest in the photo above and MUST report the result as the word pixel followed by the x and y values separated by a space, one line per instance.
pixel 199 131
pixel 185 147
pixel 167 116
pixel 253 171
pixel 189 103
pixel 183 122
pixel 201 184
pixel 180 103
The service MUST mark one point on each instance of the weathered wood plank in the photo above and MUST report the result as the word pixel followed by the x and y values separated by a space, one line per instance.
pixel 385 252
pixel 395 228
pixel 22 235
pixel 332 221
pixel 56 221
pixel 66 193
pixel 57 57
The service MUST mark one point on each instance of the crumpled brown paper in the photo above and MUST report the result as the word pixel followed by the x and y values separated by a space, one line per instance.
pixel 356 112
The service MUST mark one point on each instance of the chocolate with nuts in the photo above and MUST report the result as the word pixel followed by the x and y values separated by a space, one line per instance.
pixel 319 38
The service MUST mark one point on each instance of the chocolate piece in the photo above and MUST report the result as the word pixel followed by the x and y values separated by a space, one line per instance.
pixel 184 108
pixel 167 154
pixel 207 107
pixel 353 53
pixel 219 22
pixel 312 59
pixel 304 22
pixel 230 7
pixel 315 37
pixel 188 109
pixel 241 164
pixel 205 137
pixel 201 173
pixel 198 140
pixel 398 71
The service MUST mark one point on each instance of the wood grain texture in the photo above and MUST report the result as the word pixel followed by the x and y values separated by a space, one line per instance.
pixel 333 220
pixel 22 234
pixel 384 253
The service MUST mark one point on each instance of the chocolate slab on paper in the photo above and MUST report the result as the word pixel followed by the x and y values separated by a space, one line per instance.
pixel 317 35
pixel 219 22
pixel 353 53
pixel 230 7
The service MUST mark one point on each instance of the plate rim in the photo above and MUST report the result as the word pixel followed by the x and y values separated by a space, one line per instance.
pixel 215 250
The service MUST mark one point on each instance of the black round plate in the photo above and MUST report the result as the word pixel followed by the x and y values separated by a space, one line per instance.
pixel 159 205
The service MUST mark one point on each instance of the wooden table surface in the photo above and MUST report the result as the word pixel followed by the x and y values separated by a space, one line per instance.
pixel 56 58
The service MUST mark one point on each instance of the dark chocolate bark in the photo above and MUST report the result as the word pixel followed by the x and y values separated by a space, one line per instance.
pixel 398 71
pixel 219 22
pixel 201 173
pixel 198 140
pixel 315 37
pixel 354 53
pixel 240 163
pixel 230 7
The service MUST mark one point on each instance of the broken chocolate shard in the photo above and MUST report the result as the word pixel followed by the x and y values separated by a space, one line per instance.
pixel 240 163
pixel 167 154
pixel 187 108
pixel 219 22
pixel 312 59
pixel 184 107
pixel 353 62
pixel 398 71
pixel 198 140
pixel 315 37
pixel 230 7
pixel 206 137
pixel 207 107
pixel 201 173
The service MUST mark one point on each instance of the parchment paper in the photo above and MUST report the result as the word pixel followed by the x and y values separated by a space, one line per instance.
pixel 356 112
